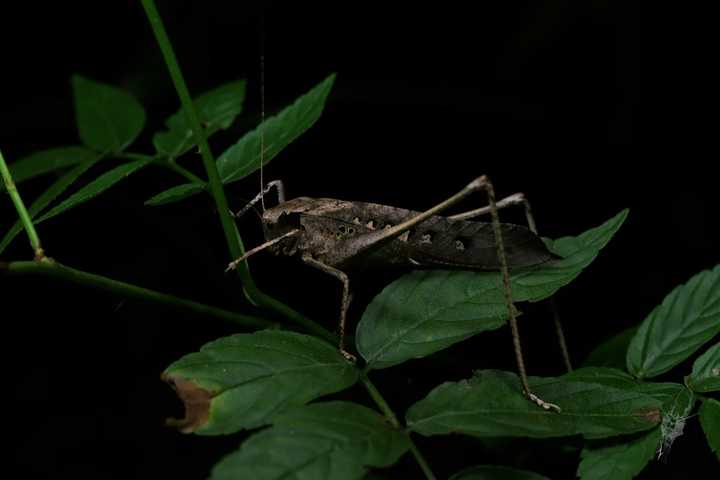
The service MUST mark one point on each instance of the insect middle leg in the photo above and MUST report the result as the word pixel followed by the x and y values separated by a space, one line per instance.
pixel 520 199
pixel 345 303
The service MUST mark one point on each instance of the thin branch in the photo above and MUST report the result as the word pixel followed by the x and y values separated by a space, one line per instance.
pixel 390 415
pixel 53 269
pixel 232 236
pixel 25 218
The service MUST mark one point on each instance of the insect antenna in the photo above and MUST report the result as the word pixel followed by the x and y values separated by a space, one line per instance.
pixel 262 108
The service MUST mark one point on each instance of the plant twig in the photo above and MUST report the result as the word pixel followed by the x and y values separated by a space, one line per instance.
pixel 127 290
pixel 22 211
pixel 232 236
pixel 164 162
pixel 390 415
pixel 230 229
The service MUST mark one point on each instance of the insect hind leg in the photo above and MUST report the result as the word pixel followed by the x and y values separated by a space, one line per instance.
pixel 521 199
pixel 484 183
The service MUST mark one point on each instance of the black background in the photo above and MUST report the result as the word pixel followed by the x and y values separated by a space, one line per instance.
pixel 587 107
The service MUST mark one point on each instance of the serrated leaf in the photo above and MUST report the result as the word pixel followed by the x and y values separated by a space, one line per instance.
pixel 279 131
pixel 426 311
pixel 705 375
pixel 108 118
pixel 687 318
pixel 216 109
pixel 94 188
pixel 620 460
pixel 244 380
pixel 48 161
pixel 491 404
pixel 323 441
pixel 55 190
pixel 611 352
pixel 175 193
pixel 496 472
pixel 710 421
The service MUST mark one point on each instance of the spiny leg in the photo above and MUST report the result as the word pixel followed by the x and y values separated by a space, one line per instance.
pixel 233 265
pixel 520 199
pixel 277 184
pixel 345 304
pixel 374 239
pixel 507 290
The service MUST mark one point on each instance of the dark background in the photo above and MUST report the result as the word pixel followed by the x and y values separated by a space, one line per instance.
pixel 588 107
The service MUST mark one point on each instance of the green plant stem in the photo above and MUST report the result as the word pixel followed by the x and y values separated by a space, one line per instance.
pixel 232 236
pixel 390 415
pixel 164 162
pixel 127 290
pixel 183 171
pixel 216 190
pixel 22 211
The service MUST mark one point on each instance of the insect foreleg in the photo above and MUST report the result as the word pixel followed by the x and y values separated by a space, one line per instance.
pixel 345 304
pixel 232 265
pixel 277 184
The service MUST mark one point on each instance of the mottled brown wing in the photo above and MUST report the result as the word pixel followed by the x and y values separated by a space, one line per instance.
pixel 439 242
pixel 435 243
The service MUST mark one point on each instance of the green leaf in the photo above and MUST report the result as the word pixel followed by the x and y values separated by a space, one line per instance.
pixel 322 441
pixel 620 460
pixel 496 472
pixel 94 188
pixel 175 193
pixel 217 109
pixel 108 118
pixel 427 311
pixel 492 404
pixel 243 158
pixel 710 421
pixel 687 318
pixel 242 381
pixel 48 161
pixel 55 190
pixel 612 352
pixel 705 375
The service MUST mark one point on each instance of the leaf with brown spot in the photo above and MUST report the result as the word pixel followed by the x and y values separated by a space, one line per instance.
pixel 243 381
pixel 491 404
pixel 196 401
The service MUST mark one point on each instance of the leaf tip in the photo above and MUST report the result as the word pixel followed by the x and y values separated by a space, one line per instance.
pixel 196 401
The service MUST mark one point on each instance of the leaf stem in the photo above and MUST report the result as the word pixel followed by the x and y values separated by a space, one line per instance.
pixel 22 211
pixel 164 162
pixel 53 269
pixel 390 415
pixel 232 236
